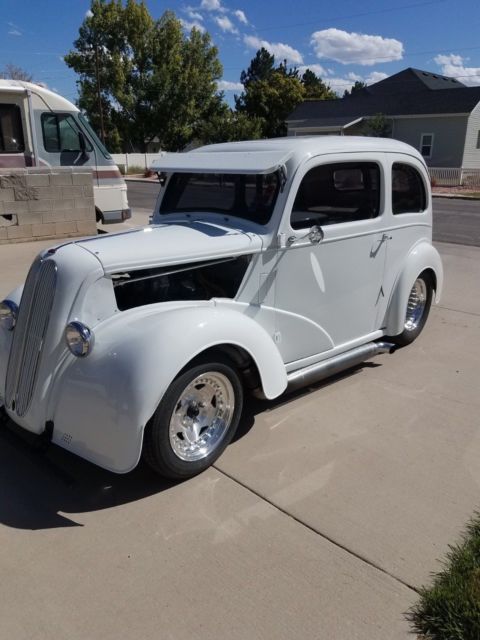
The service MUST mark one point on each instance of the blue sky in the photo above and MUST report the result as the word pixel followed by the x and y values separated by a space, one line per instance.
pixel 342 41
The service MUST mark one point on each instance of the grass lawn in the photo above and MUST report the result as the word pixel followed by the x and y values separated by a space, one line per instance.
pixel 449 609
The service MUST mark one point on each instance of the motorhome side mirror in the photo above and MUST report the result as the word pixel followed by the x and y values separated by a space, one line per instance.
pixel 82 142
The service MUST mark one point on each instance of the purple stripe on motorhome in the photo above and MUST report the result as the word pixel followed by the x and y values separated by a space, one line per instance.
pixel 14 161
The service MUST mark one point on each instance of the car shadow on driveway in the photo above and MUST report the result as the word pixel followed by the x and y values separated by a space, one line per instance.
pixel 38 489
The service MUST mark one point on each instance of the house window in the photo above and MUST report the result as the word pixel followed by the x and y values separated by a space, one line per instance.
pixel 11 134
pixel 478 140
pixel 408 190
pixel 336 193
pixel 426 145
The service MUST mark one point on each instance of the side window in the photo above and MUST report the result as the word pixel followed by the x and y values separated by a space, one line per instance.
pixel 51 133
pixel 426 145
pixel 11 134
pixel 61 133
pixel 408 190
pixel 336 193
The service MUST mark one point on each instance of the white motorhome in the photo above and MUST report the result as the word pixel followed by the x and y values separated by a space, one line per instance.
pixel 39 128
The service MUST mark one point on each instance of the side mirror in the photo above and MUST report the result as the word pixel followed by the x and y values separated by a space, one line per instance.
pixel 316 234
pixel 82 142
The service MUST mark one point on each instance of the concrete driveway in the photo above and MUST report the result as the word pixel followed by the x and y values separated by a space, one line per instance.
pixel 319 521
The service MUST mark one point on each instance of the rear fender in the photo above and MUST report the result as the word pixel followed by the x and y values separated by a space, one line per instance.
pixel 422 257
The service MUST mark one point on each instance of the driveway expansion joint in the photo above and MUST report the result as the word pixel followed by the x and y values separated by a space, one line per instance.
pixel 323 535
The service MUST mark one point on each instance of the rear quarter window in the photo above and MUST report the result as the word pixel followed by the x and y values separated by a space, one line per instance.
pixel 408 190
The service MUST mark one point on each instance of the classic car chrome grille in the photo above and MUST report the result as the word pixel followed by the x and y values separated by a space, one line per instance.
pixel 30 330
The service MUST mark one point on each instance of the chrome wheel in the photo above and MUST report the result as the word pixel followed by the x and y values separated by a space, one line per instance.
pixel 202 416
pixel 417 302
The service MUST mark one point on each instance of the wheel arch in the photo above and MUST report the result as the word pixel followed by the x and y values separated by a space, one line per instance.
pixel 423 258
pixel 240 357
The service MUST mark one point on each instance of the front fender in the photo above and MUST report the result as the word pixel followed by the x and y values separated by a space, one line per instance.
pixel 423 256
pixel 104 401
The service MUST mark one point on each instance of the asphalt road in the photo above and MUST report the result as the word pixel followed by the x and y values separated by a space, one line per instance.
pixel 455 221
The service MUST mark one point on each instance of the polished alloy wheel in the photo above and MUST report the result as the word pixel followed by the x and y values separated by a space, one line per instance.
pixel 416 305
pixel 202 416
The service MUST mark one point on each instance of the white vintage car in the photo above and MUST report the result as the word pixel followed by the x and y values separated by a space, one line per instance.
pixel 268 265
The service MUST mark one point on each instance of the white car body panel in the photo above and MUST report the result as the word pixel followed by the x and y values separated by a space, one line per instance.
pixel 199 161
pixel 170 244
pixel 298 302
pixel 102 414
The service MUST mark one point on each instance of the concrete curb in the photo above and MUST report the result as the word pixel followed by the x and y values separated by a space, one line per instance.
pixel 454 196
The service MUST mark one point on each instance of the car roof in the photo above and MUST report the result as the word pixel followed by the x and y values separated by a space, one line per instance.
pixel 308 146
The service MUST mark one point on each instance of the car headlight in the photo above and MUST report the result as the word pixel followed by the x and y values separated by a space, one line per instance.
pixel 79 338
pixel 8 314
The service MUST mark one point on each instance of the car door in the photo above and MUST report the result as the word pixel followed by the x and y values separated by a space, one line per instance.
pixel 63 143
pixel 329 282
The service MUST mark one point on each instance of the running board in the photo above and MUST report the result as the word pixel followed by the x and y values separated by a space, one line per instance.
pixel 326 368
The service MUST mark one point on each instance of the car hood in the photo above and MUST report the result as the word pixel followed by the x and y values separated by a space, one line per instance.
pixel 173 243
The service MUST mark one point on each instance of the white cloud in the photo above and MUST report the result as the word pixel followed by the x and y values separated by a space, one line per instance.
pixel 194 15
pixel 340 83
pixel 188 26
pixel 278 49
pixel 14 32
pixel 211 5
pixel 375 76
pixel 89 14
pixel 225 24
pixel 316 68
pixel 357 48
pixel 226 85
pixel 450 59
pixel 454 66
pixel 240 15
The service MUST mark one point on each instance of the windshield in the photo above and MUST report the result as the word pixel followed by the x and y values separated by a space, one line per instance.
pixel 92 133
pixel 251 197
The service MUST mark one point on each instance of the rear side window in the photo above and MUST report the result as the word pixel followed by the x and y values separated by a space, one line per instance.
pixel 408 190
pixel 336 193
pixel 11 134
pixel 61 133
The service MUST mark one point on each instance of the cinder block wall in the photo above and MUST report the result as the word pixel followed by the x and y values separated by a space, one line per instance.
pixel 46 203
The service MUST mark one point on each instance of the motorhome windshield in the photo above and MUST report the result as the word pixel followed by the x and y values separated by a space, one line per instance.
pixel 93 135
pixel 251 197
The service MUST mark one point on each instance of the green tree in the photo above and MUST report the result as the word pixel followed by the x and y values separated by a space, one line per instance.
pixel 270 93
pixel 141 78
pixel 358 86
pixel 227 125
pixel 378 126
pixel 261 66
pixel 315 88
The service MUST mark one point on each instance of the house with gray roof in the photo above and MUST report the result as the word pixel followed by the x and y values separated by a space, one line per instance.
pixel 437 115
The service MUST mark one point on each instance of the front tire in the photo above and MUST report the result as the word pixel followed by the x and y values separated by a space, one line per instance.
pixel 418 308
pixel 196 419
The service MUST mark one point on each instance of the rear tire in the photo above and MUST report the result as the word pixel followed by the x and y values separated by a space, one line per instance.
pixel 416 313
pixel 195 420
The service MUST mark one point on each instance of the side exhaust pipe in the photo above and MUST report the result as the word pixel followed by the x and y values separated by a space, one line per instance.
pixel 326 368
